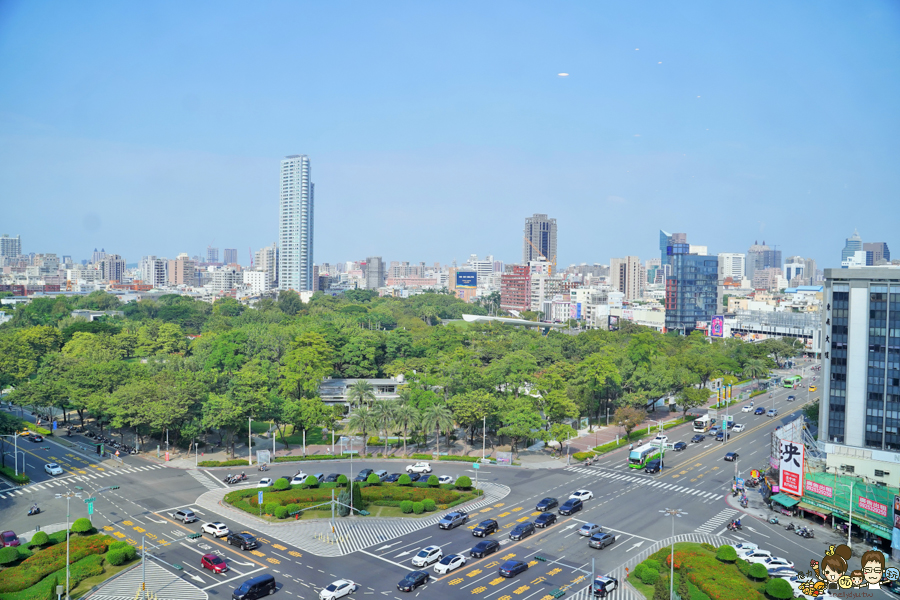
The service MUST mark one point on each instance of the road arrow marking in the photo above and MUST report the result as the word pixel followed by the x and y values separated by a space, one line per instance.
pixel 153 520
pixel 572 526
pixel 195 578
pixel 388 546
pixel 636 545
pixel 403 554
pixel 242 564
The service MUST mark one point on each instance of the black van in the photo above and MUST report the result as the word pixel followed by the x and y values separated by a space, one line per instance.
pixel 255 588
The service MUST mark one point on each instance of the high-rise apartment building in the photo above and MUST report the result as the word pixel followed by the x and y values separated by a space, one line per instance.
pixel 183 271
pixel 731 265
pixel 625 277
pixel 860 406
pixel 96 257
pixel 761 256
pixel 374 273
pixel 295 227
pixel 853 244
pixel 540 239
pixel 515 288
pixel 668 243
pixel 266 259
pixel 212 255
pixel 231 257
pixel 10 246
pixel 693 293
pixel 810 271
pixel 112 267
pixel 876 252
pixel 154 271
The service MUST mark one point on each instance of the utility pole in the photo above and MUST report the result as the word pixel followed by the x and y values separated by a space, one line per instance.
pixel 68 496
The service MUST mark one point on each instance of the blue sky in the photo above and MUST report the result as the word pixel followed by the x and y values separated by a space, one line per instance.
pixel 434 129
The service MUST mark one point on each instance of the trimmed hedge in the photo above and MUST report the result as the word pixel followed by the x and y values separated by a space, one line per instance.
pixel 222 463
pixel 726 554
pixel 429 504
pixel 406 506
pixel 649 576
pixel 758 571
pixel 464 482
pixel 418 507
pixel 83 526
pixel 10 474
pixel 281 512
pixel 45 562
pixel 8 555
pixel 281 484
pixel 120 555
pixel 779 588
pixel 580 456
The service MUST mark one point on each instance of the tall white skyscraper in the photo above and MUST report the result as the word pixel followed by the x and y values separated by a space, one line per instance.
pixel 731 265
pixel 295 237
pixel 10 246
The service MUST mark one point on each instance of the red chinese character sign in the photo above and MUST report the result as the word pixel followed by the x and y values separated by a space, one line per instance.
pixel 790 466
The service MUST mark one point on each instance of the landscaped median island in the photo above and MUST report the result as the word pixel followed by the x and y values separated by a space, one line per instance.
pixel 33 572
pixel 241 462
pixel 603 449
pixel 703 572
pixel 378 499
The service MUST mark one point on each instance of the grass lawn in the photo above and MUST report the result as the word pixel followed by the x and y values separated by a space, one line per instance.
pixel 108 571
pixel 646 590
pixel 259 427
pixel 314 436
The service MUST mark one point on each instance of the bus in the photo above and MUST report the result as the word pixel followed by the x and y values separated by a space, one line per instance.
pixel 702 424
pixel 641 455
pixel 790 382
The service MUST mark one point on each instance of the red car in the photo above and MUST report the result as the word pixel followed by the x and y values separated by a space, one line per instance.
pixel 214 563
pixel 9 538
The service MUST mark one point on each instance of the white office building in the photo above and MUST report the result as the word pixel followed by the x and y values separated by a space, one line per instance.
pixel 10 246
pixel 257 282
pixel 794 269
pixel 154 271
pixel 295 227
pixel 731 265
pixel 266 259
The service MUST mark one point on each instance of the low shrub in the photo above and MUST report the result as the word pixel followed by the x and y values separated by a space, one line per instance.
pixel 281 484
pixel 464 482
pixel 292 507
pixel 373 479
pixel 429 504
pixel 709 547
pixel 422 456
pixel 8 555
pixel 779 588
pixel 269 507
pixel 121 555
pixel 743 566
pixel 238 462
pixel 39 539
pixel 83 526
pixel 653 564
pixel 404 480
pixel 10 474
pixel 433 481
pixel 580 456
pixel 406 506
pixel 726 554
pixel 758 571
pixel 418 507
pixel 281 512
pixel 649 576
pixel 638 569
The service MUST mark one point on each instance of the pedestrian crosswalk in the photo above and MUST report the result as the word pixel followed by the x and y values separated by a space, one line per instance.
pixel 647 482
pixel 203 479
pixel 161 582
pixel 717 521
pixel 66 481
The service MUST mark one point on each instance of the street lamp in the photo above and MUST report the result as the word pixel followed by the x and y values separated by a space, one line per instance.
pixel 15 437
pixel 672 512
pixel 483 435
pixel 68 496
pixel 249 442
pixel 850 503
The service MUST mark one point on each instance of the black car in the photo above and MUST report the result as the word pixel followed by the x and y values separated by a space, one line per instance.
pixel 483 548
pixel 601 540
pixel 731 456
pixel 413 580
pixel 698 438
pixel 572 505
pixel 522 531
pixel 511 568
pixel 486 527
pixel 332 478
pixel 244 540
pixel 679 446
pixel 393 478
pixel 414 476
pixel 36 438
pixel 545 520
pixel 547 504
pixel 654 466
pixel 364 474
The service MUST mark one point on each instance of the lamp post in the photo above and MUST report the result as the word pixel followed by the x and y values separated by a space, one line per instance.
pixel 672 512
pixel 249 441
pixel 850 503
pixel 483 435
pixel 68 496
pixel 15 437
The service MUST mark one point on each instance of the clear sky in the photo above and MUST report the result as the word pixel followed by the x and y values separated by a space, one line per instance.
pixel 435 128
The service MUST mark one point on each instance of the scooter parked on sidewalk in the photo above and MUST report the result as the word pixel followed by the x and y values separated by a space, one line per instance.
pixel 773 520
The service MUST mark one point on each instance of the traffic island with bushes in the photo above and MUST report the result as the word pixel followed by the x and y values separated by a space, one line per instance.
pixel 242 462
pixel 703 572
pixel 604 448
pixel 378 499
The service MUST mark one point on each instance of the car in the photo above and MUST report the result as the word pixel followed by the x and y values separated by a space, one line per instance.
pixel 338 589
pixel 9 538
pixel 332 478
pixel 427 556
pixel 759 411
pixel 483 548
pixel 603 586
pixel 545 520
pixel 184 515
pixel 747 408
pixel 546 504
pixel 299 478
pixel 35 438
pixel 698 438
pixel 511 568
pixel 679 446
pixel 654 466
pixel 265 482
pixel 775 562
pixel 581 495
pixel 772 412
pixel 659 439
pixel 53 469
pixel 419 467
pixel 485 528
pixel 243 540
pixel 791 398
pixel 781 572
pixel 448 563
pixel 730 424
pixel 393 478
pixel 454 519
pixel 215 529
pixel 214 563
pixel 363 474
pixel 382 474
pixel 415 476
pixel 319 477
pixel 720 436
pixel 256 587
pixel 570 506
pixel 601 540
pixel 731 456
pixel 521 531
pixel 743 547
pixel 713 431
pixel 738 428
pixel 445 479
pixel 756 556
pixel 413 580
pixel 589 529
pixel 813 388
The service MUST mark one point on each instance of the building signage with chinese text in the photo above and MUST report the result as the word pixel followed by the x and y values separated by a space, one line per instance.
pixel 790 465
pixel 818 488
pixel 872 506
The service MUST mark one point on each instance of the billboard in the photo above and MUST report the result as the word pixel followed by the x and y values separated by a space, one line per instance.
pixel 466 279
pixel 717 326
pixel 790 465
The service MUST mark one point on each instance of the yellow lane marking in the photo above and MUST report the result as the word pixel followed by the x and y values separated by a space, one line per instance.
pixel 474 572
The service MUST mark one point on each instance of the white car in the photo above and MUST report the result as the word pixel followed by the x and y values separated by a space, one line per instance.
pixel 338 589
pixel 581 495
pixel 748 408
pixel 744 547
pixel 53 469
pixel 215 529
pixel 419 467
pixel 589 529
pixel 757 556
pixel 777 561
pixel 265 482
pixel 660 438
pixel 446 479
pixel 298 479
pixel 737 428
pixel 448 563
pixel 427 555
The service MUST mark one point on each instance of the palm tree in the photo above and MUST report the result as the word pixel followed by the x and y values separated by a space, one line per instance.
pixel 361 391
pixel 755 369
pixel 407 416
pixel 438 416
pixel 383 413
pixel 363 420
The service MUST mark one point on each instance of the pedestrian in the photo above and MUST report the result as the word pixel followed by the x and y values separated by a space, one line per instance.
pixel 631 446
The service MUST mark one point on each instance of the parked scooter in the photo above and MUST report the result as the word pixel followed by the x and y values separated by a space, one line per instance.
pixel 790 527
pixel 773 519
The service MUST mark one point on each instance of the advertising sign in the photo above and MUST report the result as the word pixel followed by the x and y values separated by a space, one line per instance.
pixel 896 512
pixel 818 488
pixel 717 326
pixel 790 465
pixel 872 506
pixel 466 279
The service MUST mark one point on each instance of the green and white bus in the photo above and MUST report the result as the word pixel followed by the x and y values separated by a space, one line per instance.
pixel 640 456
pixel 790 382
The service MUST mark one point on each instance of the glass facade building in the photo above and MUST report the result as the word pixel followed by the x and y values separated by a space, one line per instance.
pixel 692 290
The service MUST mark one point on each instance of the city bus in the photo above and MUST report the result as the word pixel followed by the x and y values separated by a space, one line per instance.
pixel 790 382
pixel 703 424
pixel 640 456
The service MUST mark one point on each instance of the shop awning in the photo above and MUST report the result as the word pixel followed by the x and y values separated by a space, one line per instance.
pixel 822 512
pixel 785 500
pixel 871 529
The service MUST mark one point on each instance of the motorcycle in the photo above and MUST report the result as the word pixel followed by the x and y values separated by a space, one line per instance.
pixel 773 520
pixel 227 479
pixel 744 504
pixel 790 527
pixel 262 467
pixel 808 534
pixel 587 462
pixel 734 526
pixel 34 510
